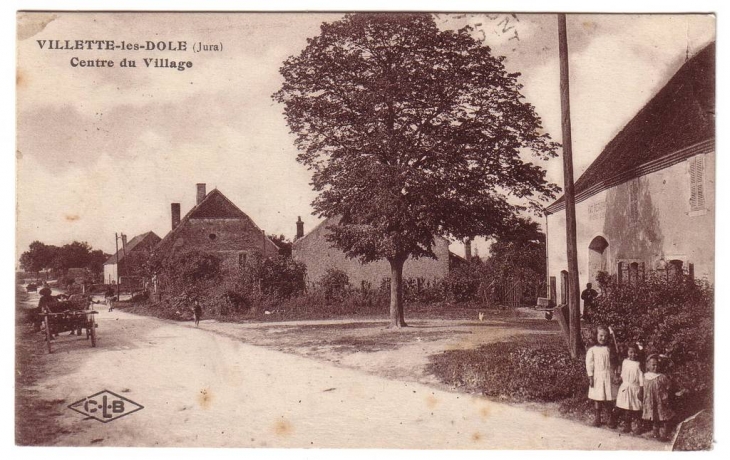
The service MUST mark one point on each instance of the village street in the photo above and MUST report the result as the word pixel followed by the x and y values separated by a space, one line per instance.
pixel 202 388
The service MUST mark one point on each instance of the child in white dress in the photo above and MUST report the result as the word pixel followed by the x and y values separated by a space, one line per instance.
pixel 630 393
pixel 600 369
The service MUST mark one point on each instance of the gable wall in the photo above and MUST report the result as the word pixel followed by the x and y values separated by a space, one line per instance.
pixel 317 254
pixel 232 237
pixel 665 227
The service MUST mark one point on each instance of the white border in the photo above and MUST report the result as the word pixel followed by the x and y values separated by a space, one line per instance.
pixel 7 201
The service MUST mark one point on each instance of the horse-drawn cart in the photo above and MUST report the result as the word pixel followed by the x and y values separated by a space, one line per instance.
pixel 69 316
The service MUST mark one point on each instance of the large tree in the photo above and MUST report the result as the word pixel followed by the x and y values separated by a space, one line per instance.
pixel 411 132
pixel 39 256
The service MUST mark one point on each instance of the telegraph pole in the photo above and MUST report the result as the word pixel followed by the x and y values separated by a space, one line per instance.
pixel 574 337
pixel 116 259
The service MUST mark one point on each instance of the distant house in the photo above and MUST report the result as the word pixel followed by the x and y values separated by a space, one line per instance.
pixel 319 256
pixel 217 226
pixel 130 258
pixel 648 201
pixel 78 275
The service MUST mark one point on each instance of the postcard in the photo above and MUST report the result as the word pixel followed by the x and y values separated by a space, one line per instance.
pixel 358 230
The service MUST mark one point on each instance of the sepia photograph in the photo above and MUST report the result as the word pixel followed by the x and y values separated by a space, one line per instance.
pixel 365 230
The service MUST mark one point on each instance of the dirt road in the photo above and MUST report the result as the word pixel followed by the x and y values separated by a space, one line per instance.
pixel 201 388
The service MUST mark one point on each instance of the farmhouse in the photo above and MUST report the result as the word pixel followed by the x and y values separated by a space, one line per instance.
pixel 319 256
pixel 217 226
pixel 130 258
pixel 648 202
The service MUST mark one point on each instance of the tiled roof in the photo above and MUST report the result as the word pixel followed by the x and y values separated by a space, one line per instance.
pixel 678 122
pixel 215 205
pixel 130 246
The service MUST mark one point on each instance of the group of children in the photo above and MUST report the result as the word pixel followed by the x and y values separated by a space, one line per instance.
pixel 643 393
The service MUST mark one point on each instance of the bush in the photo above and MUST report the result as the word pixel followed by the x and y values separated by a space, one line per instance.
pixel 535 368
pixel 335 285
pixel 462 283
pixel 417 290
pixel 190 271
pixel 276 277
pixel 672 316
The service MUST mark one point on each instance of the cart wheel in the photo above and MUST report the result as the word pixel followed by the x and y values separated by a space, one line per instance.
pixel 48 333
pixel 93 331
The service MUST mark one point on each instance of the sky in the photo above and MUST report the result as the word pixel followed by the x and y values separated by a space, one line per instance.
pixel 105 150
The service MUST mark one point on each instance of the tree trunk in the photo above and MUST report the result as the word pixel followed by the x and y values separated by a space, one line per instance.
pixel 396 293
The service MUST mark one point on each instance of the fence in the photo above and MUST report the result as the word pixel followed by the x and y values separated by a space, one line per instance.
pixel 514 292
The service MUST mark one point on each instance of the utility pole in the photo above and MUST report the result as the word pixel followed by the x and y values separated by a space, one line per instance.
pixel 574 337
pixel 116 259
pixel 124 254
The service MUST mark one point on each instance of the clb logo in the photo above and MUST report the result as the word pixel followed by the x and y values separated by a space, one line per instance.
pixel 105 406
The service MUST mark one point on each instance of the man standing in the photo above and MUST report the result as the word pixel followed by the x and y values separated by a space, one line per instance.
pixel 589 296
pixel 197 312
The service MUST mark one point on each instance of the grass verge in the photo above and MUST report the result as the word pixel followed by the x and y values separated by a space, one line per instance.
pixel 538 369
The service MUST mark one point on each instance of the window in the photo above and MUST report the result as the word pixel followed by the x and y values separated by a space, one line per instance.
pixel 631 272
pixel 634 273
pixel 697 183
pixel 675 270
pixel 242 257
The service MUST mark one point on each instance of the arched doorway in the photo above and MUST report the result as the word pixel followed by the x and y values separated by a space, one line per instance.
pixel 597 258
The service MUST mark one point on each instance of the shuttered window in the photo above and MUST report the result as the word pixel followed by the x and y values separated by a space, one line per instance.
pixel 623 272
pixel 697 183
pixel 631 272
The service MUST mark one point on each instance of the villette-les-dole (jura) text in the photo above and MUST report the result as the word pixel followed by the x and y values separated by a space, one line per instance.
pixel 113 45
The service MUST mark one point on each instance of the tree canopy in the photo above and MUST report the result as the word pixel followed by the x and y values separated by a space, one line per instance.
pixel 41 256
pixel 412 132
pixel 520 255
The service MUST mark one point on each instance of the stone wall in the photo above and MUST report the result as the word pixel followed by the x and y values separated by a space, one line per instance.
pixel 644 221
pixel 225 237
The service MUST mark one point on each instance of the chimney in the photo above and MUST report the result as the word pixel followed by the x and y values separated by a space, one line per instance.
pixel 175 211
pixel 300 228
pixel 467 250
pixel 124 240
pixel 201 193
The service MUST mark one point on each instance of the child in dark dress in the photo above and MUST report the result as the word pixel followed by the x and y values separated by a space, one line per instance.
pixel 657 387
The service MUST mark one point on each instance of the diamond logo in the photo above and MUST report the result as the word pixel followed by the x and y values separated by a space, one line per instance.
pixel 105 406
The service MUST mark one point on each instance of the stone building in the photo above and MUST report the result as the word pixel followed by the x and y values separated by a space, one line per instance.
pixel 648 200
pixel 215 225
pixel 319 256
pixel 130 258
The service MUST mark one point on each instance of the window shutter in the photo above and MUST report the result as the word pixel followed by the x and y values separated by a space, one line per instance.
pixel 700 179
pixel 553 290
pixel 620 273
pixel 692 183
pixel 633 273
pixel 697 183
pixel 642 271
